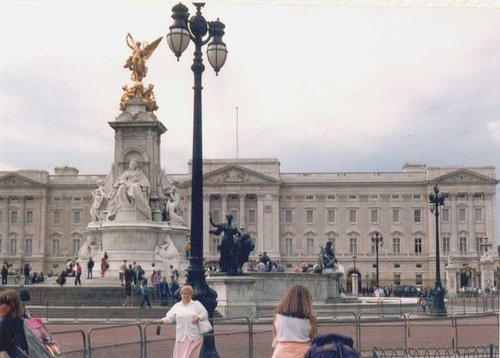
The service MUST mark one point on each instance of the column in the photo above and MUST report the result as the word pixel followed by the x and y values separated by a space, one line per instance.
pixel 274 243
pixel 21 221
pixel 260 224
pixel 5 226
pixel 223 198
pixel 242 209
pixel 354 281
pixel 471 240
pixel 206 224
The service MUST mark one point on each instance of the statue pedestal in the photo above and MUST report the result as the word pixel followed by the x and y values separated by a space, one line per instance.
pixel 258 293
pixel 487 267
pixel 451 279
pixel 354 278
pixel 143 242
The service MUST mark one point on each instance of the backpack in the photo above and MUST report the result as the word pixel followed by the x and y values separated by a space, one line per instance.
pixel 332 346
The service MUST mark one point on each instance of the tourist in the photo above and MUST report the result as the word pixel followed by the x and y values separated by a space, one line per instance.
pixel 26 271
pixel 294 324
pixel 145 293
pixel 129 279
pixel 12 337
pixel 164 291
pixel 78 274
pixel 174 286
pixel 186 314
pixel 121 272
pixel 5 272
pixel 90 266
pixel 174 272
pixel 104 264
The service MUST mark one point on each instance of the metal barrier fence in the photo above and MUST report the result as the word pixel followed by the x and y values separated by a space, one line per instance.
pixel 402 336
pixel 490 351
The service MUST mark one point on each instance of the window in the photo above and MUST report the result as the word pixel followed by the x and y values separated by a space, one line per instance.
pixel 396 245
pixel 374 196
pixel 331 197
pixel 76 246
pixel 56 248
pixel 418 265
pixel 462 195
pixel 1 243
pixel 309 216
pixel 418 279
pixel 463 245
pixel 417 215
pixel 333 244
pixel 13 246
pixel 395 216
pixel 309 197
pixel 352 197
pixel 29 217
pixel 397 265
pixel 252 216
pixel 77 199
pixel 462 214
pixel 310 247
pixel 418 246
pixel 478 195
pixel 288 216
pixel 331 216
pixel 288 247
pixel 216 216
pixel 446 245
pixel 28 247
pixel 353 246
pixel 478 214
pixel 77 216
pixel 288 197
pixel 214 242
pixel 1 217
pixel 234 213
pixel 397 279
pixel 352 216
pixel 395 196
pixel 374 216
pixel 13 217
pixel 445 215
pixel 416 196
pixel 56 216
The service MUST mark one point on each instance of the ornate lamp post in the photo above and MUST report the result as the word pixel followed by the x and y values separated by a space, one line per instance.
pixel 376 240
pixel 486 246
pixel 435 201
pixel 181 33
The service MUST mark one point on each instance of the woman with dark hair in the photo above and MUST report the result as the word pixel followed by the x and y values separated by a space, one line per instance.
pixel 294 324
pixel 12 338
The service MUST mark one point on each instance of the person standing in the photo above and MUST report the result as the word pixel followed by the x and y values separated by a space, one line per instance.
pixel 174 286
pixel 294 324
pixel 186 314
pixel 121 272
pixel 164 291
pixel 5 272
pixel 26 272
pixel 128 285
pixel 90 266
pixel 104 265
pixel 78 274
pixel 145 293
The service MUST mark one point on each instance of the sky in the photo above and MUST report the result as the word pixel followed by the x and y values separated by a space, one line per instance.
pixel 365 85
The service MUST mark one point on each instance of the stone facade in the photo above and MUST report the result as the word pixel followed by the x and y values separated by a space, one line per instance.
pixel 289 215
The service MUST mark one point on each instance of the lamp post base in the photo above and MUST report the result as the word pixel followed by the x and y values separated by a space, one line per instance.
pixel 438 306
pixel 208 298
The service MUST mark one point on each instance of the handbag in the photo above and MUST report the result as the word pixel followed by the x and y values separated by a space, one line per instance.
pixel 205 327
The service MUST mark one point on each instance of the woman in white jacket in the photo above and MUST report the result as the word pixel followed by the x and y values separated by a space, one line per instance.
pixel 186 314
pixel 294 324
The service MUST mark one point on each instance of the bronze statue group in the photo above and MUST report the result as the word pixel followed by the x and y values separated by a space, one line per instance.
pixel 235 246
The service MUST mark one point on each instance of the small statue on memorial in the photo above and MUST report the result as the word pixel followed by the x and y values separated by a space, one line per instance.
pixel 98 196
pixel 131 190
pixel 244 246
pixel 173 210
pixel 227 247
pixel 327 258
pixel 141 52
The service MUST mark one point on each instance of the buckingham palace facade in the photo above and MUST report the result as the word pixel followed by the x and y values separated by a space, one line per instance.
pixel 288 215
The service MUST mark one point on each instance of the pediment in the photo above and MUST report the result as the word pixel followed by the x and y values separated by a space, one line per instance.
pixel 236 174
pixel 12 180
pixel 310 233
pixel 464 176
pixel 331 233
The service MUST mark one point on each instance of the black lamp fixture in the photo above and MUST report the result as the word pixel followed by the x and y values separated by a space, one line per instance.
pixel 436 200
pixel 181 33
pixel 377 240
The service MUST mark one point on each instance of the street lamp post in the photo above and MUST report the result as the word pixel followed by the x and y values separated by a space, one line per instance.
pixel 435 201
pixel 485 246
pixel 376 240
pixel 184 30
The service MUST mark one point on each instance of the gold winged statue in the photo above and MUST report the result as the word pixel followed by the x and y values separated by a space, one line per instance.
pixel 141 52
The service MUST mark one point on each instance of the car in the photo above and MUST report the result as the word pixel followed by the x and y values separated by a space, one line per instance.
pixel 406 291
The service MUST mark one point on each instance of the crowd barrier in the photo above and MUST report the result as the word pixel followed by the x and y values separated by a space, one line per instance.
pixel 406 335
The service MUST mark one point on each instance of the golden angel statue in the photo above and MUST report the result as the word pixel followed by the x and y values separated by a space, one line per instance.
pixel 141 52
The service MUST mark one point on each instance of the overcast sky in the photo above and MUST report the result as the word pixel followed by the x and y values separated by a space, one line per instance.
pixel 363 88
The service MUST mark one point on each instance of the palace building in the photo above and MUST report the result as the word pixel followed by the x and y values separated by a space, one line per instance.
pixel 288 215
